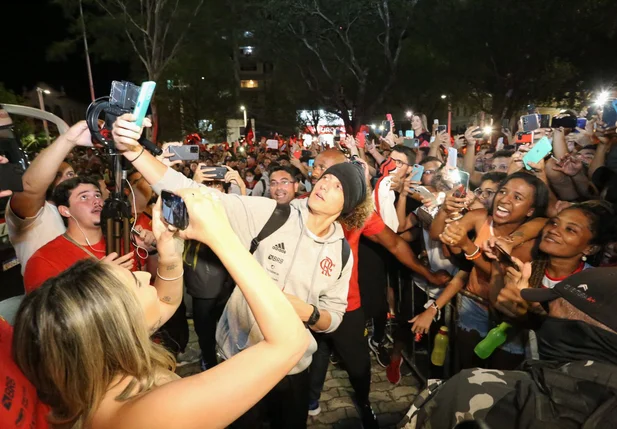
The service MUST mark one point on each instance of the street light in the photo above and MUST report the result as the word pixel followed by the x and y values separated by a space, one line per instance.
pixel 244 112
pixel 444 96
pixel 40 92
pixel 409 114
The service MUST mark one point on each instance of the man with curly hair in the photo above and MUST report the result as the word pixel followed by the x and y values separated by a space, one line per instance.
pixel 304 256
pixel 349 339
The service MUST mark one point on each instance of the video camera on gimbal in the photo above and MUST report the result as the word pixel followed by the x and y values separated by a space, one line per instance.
pixel 116 210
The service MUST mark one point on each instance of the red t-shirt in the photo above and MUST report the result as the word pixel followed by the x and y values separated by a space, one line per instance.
pixel 54 258
pixel 21 408
pixel 374 225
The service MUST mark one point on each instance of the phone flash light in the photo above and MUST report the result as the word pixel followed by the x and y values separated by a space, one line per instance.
pixel 488 130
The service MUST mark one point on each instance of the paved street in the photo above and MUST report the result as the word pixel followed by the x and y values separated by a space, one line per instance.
pixel 337 410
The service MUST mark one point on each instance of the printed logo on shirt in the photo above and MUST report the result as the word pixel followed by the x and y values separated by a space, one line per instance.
pixel 9 393
pixel 275 259
pixel 279 248
pixel 326 266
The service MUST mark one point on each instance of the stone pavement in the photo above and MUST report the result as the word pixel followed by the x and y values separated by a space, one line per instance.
pixel 389 402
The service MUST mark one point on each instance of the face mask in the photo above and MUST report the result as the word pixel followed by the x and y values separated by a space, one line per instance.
pixel 250 179
pixel 573 340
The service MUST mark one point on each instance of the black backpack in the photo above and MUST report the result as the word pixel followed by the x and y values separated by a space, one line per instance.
pixel 206 277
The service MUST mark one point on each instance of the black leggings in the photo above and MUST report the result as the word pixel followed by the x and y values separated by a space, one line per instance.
pixel 352 346
pixel 206 313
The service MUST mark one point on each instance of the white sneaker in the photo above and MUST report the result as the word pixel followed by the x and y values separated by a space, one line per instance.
pixel 314 409
pixel 189 356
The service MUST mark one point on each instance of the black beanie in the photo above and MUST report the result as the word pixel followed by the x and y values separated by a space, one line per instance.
pixel 352 180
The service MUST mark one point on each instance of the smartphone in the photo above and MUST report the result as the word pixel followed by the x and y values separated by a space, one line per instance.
pixel 416 172
pixel 174 210
pixel 442 128
pixel 499 145
pixel 504 257
pixel 337 135
pixel 524 137
pixel 545 121
pixel 400 133
pixel 387 124
pixel 478 133
pixel 411 143
pixel 424 193
pixel 218 172
pixel 609 114
pixel 464 178
pixel 452 153
pixel 311 162
pixel 143 101
pixel 460 192
pixel 184 153
pixel 409 134
pixel 530 122
pixel 505 123
pixel 581 123
pixel 565 122
pixel 436 121
pixel 10 177
pixel 542 148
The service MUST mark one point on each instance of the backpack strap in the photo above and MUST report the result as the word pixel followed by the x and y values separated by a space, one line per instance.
pixel 345 252
pixel 277 219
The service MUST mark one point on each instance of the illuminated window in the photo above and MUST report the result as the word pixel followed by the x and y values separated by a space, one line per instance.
pixel 249 84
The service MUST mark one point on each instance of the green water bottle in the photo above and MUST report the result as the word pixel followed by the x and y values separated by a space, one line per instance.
pixel 496 337
pixel 438 356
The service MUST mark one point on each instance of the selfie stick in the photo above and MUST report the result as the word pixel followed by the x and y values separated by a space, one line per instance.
pixel 125 97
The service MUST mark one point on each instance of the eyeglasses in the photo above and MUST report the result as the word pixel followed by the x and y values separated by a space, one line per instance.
pixel 283 182
pixel 484 193
pixel 399 163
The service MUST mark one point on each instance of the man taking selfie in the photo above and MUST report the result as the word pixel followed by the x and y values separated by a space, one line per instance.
pixel 307 256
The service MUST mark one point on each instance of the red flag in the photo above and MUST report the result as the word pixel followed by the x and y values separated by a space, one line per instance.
pixel 249 135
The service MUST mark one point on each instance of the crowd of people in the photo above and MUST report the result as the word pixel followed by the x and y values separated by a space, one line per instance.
pixel 291 253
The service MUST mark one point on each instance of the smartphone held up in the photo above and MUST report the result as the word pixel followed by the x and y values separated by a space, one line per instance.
pixel 174 210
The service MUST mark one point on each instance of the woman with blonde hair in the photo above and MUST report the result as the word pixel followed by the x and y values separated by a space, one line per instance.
pixel 82 338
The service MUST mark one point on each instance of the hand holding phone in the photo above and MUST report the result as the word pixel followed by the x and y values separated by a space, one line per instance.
pixel 537 153
pixel 174 210
pixel 504 257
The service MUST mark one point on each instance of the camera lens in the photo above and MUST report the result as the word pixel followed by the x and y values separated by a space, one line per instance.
pixel 194 149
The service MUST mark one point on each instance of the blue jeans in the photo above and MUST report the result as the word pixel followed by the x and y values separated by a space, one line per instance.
pixel 473 317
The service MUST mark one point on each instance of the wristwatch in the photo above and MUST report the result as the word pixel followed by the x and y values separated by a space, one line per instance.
pixel 314 316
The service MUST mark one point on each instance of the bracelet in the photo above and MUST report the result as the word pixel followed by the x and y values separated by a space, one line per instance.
pixel 474 257
pixel 142 151
pixel 432 303
pixel 473 254
pixel 168 279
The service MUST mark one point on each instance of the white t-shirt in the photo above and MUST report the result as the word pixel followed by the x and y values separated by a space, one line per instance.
pixel 30 234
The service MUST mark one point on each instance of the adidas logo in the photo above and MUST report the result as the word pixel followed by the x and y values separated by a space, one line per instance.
pixel 279 248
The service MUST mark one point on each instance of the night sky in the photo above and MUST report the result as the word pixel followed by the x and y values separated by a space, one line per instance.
pixel 27 30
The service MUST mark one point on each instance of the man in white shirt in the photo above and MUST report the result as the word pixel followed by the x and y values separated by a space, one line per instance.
pixel 32 221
